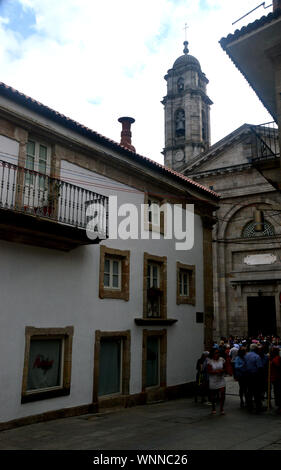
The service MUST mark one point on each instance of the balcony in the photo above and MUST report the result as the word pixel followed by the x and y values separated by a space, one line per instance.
pixel 37 209
pixel 155 314
pixel 266 152
pixel 265 143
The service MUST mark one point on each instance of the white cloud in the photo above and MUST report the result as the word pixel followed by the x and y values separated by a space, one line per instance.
pixel 116 54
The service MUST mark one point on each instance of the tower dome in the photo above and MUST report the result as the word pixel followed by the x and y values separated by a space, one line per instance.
pixel 186 59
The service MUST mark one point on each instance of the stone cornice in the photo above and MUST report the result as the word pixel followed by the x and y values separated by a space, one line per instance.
pixel 180 70
pixel 187 91
pixel 244 191
pixel 181 145
pixel 256 281
pixel 221 171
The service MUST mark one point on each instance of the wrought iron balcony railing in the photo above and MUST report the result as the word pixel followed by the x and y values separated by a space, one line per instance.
pixel 33 193
pixel 265 142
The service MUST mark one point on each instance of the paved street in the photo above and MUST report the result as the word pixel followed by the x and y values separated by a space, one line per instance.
pixel 178 425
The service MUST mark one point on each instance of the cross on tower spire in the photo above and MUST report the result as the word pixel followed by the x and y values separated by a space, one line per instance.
pixel 185 31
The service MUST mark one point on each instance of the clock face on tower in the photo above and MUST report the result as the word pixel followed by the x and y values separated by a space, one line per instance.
pixel 179 155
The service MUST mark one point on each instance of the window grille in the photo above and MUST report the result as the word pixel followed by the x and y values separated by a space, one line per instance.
pixel 250 232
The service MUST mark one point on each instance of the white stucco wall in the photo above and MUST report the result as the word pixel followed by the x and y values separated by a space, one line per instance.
pixel 49 288
pixel 9 150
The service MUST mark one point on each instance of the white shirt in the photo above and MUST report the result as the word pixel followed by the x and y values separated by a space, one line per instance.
pixel 216 381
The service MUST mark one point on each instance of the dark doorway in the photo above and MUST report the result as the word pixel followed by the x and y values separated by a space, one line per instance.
pixel 261 315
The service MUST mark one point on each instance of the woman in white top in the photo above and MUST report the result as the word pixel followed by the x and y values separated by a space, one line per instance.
pixel 216 371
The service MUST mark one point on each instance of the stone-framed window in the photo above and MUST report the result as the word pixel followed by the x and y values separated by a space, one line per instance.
pixel 112 277
pixel 204 126
pixel 47 363
pixel 154 359
pixel 114 280
pixel 38 158
pixel 179 123
pixel 186 290
pixel 180 84
pixel 154 217
pixel 35 189
pixel 112 364
pixel 154 286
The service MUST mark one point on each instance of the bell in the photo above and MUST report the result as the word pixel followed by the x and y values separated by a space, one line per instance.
pixel 259 221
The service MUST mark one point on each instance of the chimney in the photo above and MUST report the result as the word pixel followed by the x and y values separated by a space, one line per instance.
pixel 276 5
pixel 126 132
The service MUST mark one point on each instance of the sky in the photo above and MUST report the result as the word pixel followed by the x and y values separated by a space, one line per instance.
pixel 95 61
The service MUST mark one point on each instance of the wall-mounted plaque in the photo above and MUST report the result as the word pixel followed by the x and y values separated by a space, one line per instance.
pixel 264 258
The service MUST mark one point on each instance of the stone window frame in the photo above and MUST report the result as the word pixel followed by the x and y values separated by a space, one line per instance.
pixel 180 84
pixel 37 144
pixel 178 135
pixel 162 261
pixel 124 257
pixel 125 336
pixel 111 274
pixel 204 125
pixel 191 298
pixel 22 162
pixel 149 226
pixel 162 335
pixel 65 334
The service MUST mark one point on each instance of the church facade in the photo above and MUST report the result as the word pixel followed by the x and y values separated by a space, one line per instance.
pixel 247 232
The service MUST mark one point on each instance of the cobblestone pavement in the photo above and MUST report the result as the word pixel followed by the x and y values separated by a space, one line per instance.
pixel 178 425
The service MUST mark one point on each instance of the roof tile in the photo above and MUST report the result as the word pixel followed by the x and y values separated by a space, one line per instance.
pixel 250 27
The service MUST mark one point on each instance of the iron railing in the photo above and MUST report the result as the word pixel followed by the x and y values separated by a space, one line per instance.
pixel 33 193
pixel 265 141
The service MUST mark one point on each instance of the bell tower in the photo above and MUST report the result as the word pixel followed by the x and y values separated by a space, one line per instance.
pixel 187 112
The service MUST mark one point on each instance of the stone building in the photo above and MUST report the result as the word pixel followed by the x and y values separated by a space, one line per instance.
pixel 247 234
pixel 256 52
pixel 244 168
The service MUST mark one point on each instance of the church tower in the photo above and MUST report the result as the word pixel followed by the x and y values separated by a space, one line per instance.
pixel 187 112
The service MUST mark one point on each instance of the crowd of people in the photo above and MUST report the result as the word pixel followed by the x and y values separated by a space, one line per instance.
pixel 255 363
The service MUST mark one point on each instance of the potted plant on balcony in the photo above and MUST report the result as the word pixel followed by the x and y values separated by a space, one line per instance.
pixel 49 204
pixel 154 292
pixel 153 301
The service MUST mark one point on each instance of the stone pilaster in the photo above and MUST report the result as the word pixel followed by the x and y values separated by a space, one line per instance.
pixel 208 282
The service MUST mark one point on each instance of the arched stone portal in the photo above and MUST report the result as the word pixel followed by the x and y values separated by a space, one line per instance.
pixel 248 267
